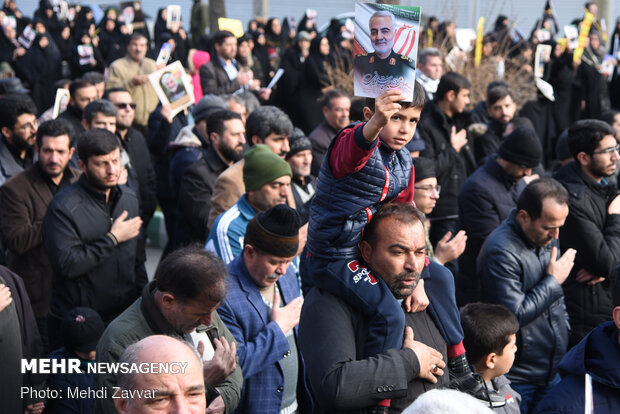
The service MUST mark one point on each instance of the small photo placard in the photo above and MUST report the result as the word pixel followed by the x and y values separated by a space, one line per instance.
pixel 173 87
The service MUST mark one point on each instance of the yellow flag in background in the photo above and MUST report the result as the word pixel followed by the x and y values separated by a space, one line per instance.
pixel 583 36
pixel 479 35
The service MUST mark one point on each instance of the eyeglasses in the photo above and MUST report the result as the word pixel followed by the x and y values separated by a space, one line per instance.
pixel 125 105
pixel 430 188
pixel 608 150
pixel 29 126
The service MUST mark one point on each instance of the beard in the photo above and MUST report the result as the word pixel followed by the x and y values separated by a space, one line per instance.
pixel 401 291
pixel 230 153
pixel 97 183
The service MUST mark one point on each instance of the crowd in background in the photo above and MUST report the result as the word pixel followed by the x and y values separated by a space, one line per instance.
pixel 74 216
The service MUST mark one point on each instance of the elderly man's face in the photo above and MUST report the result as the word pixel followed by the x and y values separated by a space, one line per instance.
pixel 382 35
pixel 265 268
pixel 174 393
pixel 398 254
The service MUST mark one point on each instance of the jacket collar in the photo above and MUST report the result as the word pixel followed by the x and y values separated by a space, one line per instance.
pixel 153 316
pixel 115 192
pixel 214 161
pixel 498 172
pixel 250 289
pixel 516 227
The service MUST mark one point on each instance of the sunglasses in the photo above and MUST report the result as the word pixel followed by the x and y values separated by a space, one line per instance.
pixel 124 105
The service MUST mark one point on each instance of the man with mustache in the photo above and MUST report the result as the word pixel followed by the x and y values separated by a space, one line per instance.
pixel 519 268
pixel 332 334
pixel 261 309
pixel 23 202
pixel 592 226
pixel 90 235
pixel 383 69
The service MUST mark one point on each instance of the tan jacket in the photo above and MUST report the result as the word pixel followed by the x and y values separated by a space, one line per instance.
pixel 121 72
pixel 229 188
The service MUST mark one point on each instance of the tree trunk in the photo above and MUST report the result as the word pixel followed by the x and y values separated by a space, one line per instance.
pixel 217 9
pixel 261 8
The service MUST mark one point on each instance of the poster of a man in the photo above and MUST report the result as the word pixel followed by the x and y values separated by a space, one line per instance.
pixel 386 39
pixel 172 87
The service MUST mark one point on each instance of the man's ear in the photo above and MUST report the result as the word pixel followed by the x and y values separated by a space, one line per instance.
pixel 85 124
pixel 121 405
pixel 256 140
pixel 82 165
pixel 365 250
pixel 583 159
pixel 368 113
pixel 450 96
pixel 6 131
pixel 616 315
pixel 214 138
pixel 523 217
pixel 325 111
pixel 167 299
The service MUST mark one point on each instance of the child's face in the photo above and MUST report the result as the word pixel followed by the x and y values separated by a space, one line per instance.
pixel 400 128
pixel 504 362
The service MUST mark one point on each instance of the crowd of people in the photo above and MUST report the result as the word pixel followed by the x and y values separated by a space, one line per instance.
pixel 325 253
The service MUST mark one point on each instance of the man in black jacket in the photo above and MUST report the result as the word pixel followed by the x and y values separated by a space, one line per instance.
pixel 592 226
pixel 488 196
pixel 222 74
pixel 89 234
pixel 81 94
pixel 518 268
pixel 501 109
pixel 443 131
pixel 226 133
pixel 134 144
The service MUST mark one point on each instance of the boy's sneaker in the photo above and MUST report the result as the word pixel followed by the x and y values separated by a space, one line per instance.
pixel 473 385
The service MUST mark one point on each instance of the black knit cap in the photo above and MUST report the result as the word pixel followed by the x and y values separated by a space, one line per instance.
pixel 298 141
pixel 81 329
pixel 423 168
pixel 521 147
pixel 275 231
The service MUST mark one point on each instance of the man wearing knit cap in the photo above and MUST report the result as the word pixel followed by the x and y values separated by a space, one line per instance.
pixel 487 197
pixel 267 179
pixel 303 183
pixel 262 309
pixel 81 329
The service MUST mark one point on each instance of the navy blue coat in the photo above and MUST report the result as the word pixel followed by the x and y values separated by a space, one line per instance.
pixel 341 207
pixel 513 273
pixel 485 200
pixel 598 354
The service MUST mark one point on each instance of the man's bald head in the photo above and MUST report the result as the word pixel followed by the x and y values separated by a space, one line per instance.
pixel 181 388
